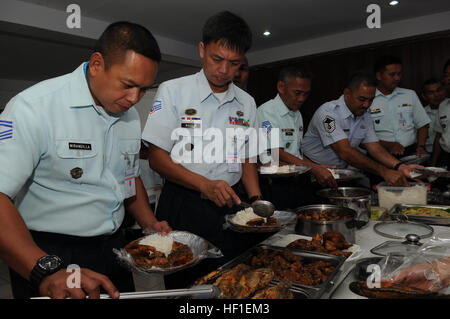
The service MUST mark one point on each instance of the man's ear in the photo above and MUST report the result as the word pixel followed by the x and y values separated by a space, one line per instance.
pixel 347 92
pixel 281 87
pixel 96 63
pixel 201 49
pixel 378 75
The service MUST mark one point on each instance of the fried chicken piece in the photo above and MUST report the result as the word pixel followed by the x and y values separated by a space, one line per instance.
pixel 280 291
pixel 228 281
pixel 337 238
pixel 252 281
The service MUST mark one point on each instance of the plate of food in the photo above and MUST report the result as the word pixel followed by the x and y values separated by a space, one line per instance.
pixel 283 171
pixel 156 253
pixel 332 243
pixel 247 221
pixel 428 214
pixel 342 174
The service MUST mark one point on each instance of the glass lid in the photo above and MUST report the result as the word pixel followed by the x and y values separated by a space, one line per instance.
pixel 400 248
pixel 399 229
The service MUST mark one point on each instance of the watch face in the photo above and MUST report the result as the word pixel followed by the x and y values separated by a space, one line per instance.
pixel 49 262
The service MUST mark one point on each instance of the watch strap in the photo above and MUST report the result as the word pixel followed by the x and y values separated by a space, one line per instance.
pixel 38 273
pixel 253 198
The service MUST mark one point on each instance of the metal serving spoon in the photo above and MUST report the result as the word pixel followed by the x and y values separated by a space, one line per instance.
pixel 261 208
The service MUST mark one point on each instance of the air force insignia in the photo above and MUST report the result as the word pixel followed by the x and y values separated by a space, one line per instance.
pixel 329 124
pixel 190 112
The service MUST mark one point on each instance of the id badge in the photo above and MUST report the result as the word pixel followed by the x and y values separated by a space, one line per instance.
pixel 233 163
pixel 130 183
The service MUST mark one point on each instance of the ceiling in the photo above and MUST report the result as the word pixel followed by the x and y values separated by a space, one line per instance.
pixel 34 54
pixel 288 20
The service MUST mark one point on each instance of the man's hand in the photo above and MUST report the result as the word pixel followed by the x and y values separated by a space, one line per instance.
pixel 55 285
pixel 396 148
pixel 407 169
pixel 219 192
pixel 161 227
pixel 420 151
pixel 324 176
pixel 394 178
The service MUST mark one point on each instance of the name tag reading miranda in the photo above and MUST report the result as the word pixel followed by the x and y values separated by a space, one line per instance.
pixel 80 146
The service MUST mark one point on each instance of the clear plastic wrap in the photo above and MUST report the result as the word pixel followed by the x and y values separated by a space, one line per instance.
pixel 200 247
pixel 427 269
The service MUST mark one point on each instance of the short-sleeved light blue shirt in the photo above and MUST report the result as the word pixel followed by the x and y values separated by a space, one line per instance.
pixel 442 124
pixel 397 117
pixel 189 103
pixel 431 129
pixel 56 131
pixel 332 122
pixel 275 114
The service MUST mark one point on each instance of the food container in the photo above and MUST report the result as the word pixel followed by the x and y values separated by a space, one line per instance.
pixel 388 196
pixel 398 210
pixel 356 198
pixel 299 291
pixel 346 226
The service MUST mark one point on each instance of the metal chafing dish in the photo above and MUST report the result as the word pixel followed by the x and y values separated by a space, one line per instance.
pixel 396 212
pixel 299 291
pixel 345 226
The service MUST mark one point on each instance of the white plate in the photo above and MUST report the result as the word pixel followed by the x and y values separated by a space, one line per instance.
pixel 287 239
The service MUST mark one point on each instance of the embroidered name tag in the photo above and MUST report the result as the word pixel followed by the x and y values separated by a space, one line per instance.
pixel 80 146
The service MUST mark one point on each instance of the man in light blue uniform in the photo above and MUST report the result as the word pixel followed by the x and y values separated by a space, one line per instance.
pixel 441 148
pixel 433 92
pixel 339 127
pixel 69 160
pixel 400 121
pixel 202 168
pixel 283 112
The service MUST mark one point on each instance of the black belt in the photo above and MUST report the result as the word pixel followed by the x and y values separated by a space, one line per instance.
pixel 71 238
pixel 175 187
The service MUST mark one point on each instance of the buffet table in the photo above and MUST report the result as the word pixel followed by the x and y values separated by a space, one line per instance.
pixel 367 239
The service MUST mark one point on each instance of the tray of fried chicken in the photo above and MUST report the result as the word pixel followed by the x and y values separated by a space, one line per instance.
pixel 305 274
pixel 155 253
pixel 331 242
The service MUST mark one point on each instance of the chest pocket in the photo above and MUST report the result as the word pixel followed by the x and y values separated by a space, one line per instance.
pixel 358 137
pixel 406 117
pixel 377 117
pixel 129 150
pixel 76 159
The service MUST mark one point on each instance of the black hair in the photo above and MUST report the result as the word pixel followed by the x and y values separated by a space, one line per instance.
pixel 446 66
pixel 295 71
pixel 122 36
pixel 360 77
pixel 230 29
pixel 429 82
pixel 385 60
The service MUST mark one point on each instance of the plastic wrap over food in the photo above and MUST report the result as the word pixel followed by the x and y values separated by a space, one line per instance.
pixel 284 219
pixel 200 248
pixel 427 269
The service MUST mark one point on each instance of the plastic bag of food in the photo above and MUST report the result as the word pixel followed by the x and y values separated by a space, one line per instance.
pixel 152 253
pixel 427 269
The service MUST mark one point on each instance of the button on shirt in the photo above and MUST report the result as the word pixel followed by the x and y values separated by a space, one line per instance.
pixel 431 130
pixel 70 157
pixel 332 122
pixel 442 124
pixel 275 114
pixel 397 117
pixel 187 119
